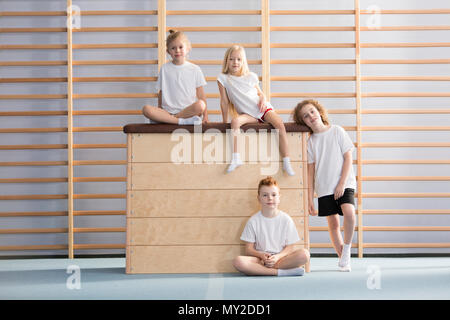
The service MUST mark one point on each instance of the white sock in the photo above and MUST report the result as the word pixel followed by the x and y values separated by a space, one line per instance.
pixel 191 120
pixel 346 250
pixel 287 166
pixel 291 272
pixel 345 256
pixel 235 162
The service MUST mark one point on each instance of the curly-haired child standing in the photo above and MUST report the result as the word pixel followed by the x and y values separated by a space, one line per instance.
pixel 330 175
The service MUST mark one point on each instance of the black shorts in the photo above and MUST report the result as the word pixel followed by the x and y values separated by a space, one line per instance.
pixel 328 206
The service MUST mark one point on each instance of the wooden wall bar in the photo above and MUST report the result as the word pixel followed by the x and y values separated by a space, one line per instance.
pixel 70 179
pixel 89 133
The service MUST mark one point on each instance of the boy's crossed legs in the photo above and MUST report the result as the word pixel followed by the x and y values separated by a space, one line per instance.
pixel 288 265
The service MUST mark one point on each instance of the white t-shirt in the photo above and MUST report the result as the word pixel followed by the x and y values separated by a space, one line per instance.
pixel 326 150
pixel 178 84
pixel 270 235
pixel 242 93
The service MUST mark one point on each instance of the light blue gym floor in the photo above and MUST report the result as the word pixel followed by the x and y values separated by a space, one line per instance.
pixel 105 279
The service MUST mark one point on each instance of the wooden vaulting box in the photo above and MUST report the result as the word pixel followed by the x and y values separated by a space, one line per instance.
pixel 185 214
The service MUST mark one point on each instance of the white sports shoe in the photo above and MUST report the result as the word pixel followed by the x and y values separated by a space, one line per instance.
pixel 346 268
pixel 345 258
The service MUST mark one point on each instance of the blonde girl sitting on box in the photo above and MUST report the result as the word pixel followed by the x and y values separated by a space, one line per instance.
pixel 240 94
pixel 181 98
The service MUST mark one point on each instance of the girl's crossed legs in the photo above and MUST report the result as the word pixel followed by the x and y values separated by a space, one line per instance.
pixel 161 115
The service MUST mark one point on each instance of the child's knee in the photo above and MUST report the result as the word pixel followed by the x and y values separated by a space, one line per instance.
pixel 278 124
pixel 349 215
pixel 348 211
pixel 146 110
pixel 200 107
pixel 239 263
pixel 333 222
pixel 275 120
pixel 305 254
pixel 235 123
pixel 302 255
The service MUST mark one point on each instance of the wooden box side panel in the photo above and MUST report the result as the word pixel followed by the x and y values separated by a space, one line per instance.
pixel 185 259
pixel 211 147
pixel 207 203
pixel 192 231
pixel 157 176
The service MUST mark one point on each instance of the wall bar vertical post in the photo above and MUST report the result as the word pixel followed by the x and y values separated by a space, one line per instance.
pixel 161 33
pixel 358 127
pixel 69 131
pixel 265 47
pixel 307 242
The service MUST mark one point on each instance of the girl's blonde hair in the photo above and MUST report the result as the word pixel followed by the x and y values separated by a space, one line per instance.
pixel 322 111
pixel 173 34
pixel 244 69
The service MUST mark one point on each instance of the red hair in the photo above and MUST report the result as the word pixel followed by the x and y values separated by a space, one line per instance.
pixel 269 181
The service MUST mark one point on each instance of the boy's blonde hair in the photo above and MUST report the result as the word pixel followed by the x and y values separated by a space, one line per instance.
pixel 322 111
pixel 173 34
pixel 244 70
pixel 269 181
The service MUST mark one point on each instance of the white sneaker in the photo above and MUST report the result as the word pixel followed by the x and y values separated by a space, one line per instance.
pixel 346 268
pixel 345 257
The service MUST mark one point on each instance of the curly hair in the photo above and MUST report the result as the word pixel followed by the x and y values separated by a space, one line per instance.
pixel 322 111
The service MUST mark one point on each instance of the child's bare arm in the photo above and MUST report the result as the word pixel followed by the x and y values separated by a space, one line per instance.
pixel 311 171
pixel 262 99
pixel 340 188
pixel 251 251
pixel 159 99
